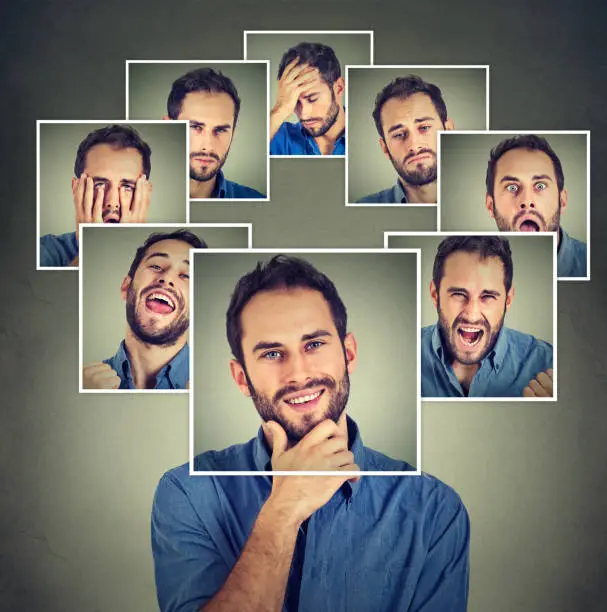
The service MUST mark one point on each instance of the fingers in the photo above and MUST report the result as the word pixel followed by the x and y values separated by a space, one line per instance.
pixel 99 375
pixel 545 380
pixel 324 430
pixel 97 212
pixel 78 193
pixel 292 69
pixel 540 386
pixel 278 436
pixel 136 211
pixel 89 192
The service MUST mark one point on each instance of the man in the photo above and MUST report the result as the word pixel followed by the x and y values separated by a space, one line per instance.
pixel 311 86
pixel 470 353
pixel 408 115
pixel 110 185
pixel 526 193
pixel 296 542
pixel 210 102
pixel 154 353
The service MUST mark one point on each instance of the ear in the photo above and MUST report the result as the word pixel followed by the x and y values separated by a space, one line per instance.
pixel 449 124
pixel 563 199
pixel 434 294
pixel 166 118
pixel 237 372
pixel 489 205
pixel 339 87
pixel 351 351
pixel 509 297
pixel 126 283
pixel 384 147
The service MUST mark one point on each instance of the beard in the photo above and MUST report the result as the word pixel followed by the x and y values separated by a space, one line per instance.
pixel 505 225
pixel 269 409
pixel 327 122
pixel 207 174
pixel 149 334
pixel 421 174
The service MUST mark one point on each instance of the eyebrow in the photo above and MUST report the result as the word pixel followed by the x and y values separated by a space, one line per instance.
pixel 417 120
pixel 319 333
pixel 123 181
pixel 203 124
pixel 165 255
pixel 535 177
pixel 483 292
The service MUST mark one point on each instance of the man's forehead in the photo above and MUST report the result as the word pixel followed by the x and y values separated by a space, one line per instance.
pixel 462 267
pixel 173 249
pixel 207 106
pixel 524 162
pixel 105 158
pixel 408 109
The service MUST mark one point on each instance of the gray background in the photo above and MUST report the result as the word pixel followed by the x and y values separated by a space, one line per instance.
pixel 533 278
pixel 58 147
pixel 379 291
pixel 463 167
pixel 78 472
pixel 107 256
pixel 349 49
pixel 149 88
pixel 464 91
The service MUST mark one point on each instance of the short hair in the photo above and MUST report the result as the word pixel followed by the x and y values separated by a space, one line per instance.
pixel 485 246
pixel 317 55
pixel 281 271
pixel 118 137
pixel 201 79
pixel 531 142
pixel 403 88
pixel 182 234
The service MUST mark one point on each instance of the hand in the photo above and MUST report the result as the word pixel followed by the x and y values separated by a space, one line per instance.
pixel 136 211
pixel 323 448
pixel 99 375
pixel 540 386
pixel 88 206
pixel 295 80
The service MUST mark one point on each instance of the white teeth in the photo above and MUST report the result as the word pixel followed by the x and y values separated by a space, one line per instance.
pixel 164 298
pixel 470 329
pixel 303 399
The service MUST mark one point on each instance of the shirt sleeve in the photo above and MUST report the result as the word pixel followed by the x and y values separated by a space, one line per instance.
pixel 444 579
pixel 188 567
pixel 50 255
pixel 278 144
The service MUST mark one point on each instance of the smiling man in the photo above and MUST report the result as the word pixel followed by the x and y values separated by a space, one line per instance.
pixel 293 542
pixel 470 353
pixel 154 353
pixel 110 185
pixel 526 193
pixel 408 115
pixel 209 100
pixel 311 86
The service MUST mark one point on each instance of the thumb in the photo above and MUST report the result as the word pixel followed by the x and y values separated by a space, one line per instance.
pixel 278 438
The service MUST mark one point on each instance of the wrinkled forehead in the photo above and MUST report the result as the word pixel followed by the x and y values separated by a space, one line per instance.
pixel 523 164
pixel 210 108
pixel 473 272
pixel 407 110
pixel 111 161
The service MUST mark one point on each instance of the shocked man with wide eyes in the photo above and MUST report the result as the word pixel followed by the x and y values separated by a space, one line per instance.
pixel 209 100
pixel 408 115
pixel 111 185
pixel 269 544
pixel 470 353
pixel 311 86
pixel 526 193
pixel 154 353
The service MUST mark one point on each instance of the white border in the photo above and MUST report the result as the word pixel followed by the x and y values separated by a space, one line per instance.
pixel 152 227
pixel 216 62
pixel 407 67
pixel 416 472
pixel 101 122
pixel 314 33
pixel 539 133
pixel 524 236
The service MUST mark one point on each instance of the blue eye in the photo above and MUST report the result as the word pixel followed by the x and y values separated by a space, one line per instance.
pixel 314 345
pixel 541 186
pixel 271 355
pixel 512 188
pixel 424 128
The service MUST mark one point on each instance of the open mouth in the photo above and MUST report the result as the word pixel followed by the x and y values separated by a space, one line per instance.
pixel 303 402
pixel 159 303
pixel 113 217
pixel 470 336
pixel 529 225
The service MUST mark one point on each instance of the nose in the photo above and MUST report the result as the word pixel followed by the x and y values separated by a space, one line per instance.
pixel 296 369
pixel 526 199
pixel 416 141
pixel 111 197
pixel 202 141
pixel 167 278
pixel 472 311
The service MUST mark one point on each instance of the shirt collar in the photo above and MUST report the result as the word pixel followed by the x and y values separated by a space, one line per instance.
pixel 399 193
pixel 564 248
pixel 219 190
pixel 263 463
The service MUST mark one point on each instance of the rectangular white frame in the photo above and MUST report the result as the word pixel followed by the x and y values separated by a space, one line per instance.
pixel 416 472
pixel 151 227
pixel 554 397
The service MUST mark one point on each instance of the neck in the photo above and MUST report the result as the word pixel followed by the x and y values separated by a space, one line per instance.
pixel 148 359
pixel 326 142
pixel 202 189
pixel 422 194
pixel 465 373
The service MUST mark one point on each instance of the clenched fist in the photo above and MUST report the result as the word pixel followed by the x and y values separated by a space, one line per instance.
pixel 540 386
pixel 99 375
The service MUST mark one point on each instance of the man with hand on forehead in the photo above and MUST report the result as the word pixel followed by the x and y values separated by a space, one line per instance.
pixel 154 353
pixel 311 86
pixel 110 185
pixel 303 542
pixel 470 353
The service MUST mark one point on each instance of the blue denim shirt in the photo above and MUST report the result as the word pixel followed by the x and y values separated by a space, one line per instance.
pixel 383 544
pixel 225 189
pixel 58 251
pixel 515 360
pixel 571 256
pixel 394 195
pixel 292 139
pixel 174 375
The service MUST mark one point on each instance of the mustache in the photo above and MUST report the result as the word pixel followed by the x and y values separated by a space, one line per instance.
pixel 416 153
pixel 161 287
pixel 324 381
pixel 460 320
pixel 204 154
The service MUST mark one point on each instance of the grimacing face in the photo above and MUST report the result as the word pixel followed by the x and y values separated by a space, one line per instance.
pixel 117 170
pixel 525 193
pixel 211 117
pixel 317 109
pixel 471 303
pixel 297 370
pixel 157 298
pixel 410 128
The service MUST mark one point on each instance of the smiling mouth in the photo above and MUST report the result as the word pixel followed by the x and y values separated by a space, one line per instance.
pixel 159 303
pixel 470 336
pixel 529 225
pixel 305 402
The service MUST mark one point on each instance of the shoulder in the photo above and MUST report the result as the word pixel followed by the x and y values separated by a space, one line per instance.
pixel 286 134
pixel 526 345
pixel 237 457
pixel 242 191
pixel 378 462
pixel 58 250
pixel 386 196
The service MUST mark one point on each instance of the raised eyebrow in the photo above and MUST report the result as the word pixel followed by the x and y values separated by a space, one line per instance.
pixel 508 178
pixel 398 126
pixel 157 254
pixel 319 333
pixel 422 119
pixel 543 177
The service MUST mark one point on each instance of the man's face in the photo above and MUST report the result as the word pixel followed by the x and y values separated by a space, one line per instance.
pixel 157 298
pixel 117 170
pixel 211 117
pixel 525 193
pixel 317 109
pixel 410 129
pixel 471 303
pixel 296 366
